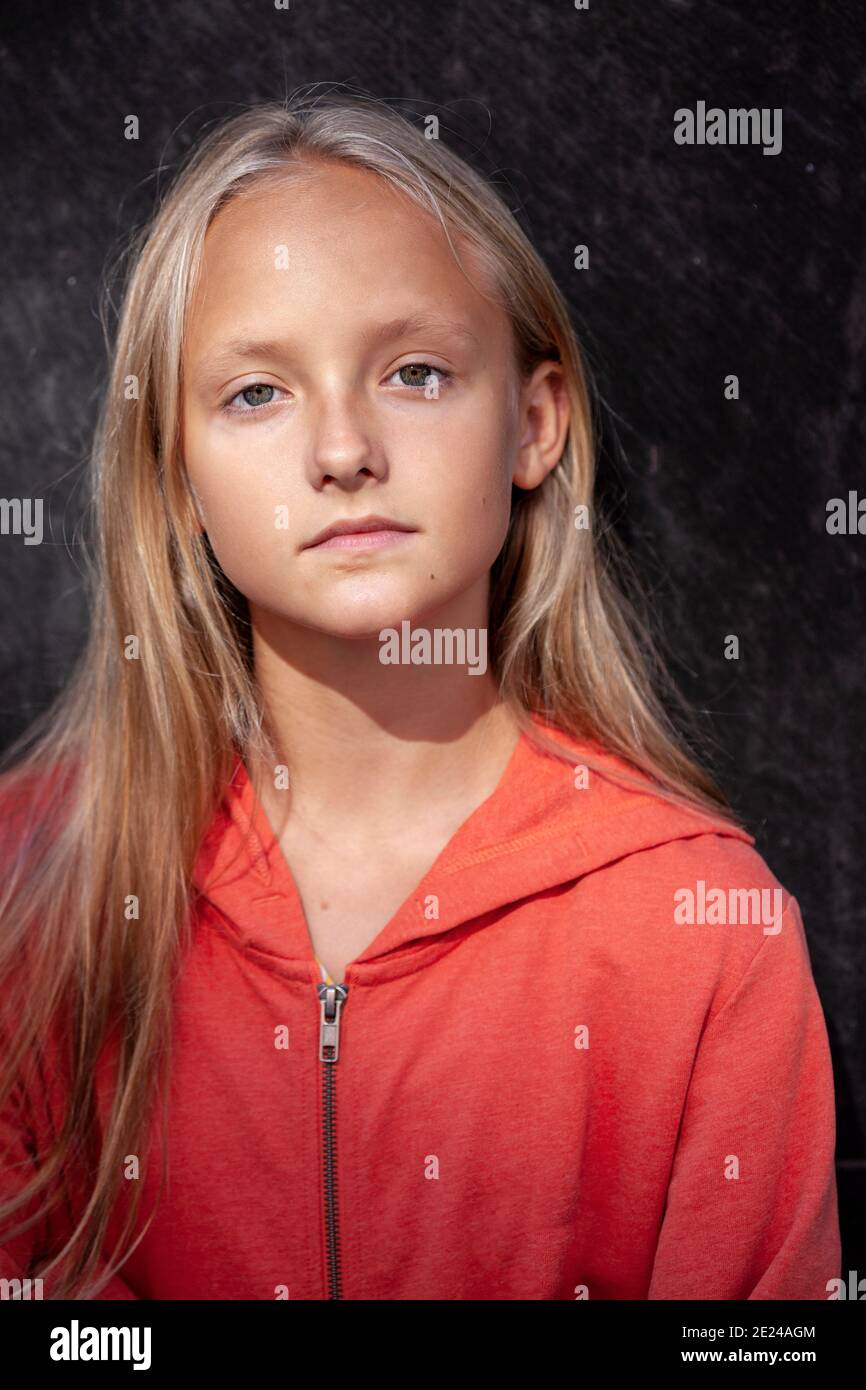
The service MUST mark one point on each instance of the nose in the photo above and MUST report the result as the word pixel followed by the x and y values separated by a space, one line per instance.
pixel 344 450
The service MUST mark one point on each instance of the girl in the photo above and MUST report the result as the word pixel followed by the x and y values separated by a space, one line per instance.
pixel 368 930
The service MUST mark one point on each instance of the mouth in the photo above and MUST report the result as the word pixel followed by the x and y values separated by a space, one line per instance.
pixel 363 533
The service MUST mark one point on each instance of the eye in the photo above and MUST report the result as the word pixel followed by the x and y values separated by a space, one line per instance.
pixel 260 394
pixel 423 372
pixel 254 399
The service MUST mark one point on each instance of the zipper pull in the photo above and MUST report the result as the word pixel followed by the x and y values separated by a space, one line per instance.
pixel 332 997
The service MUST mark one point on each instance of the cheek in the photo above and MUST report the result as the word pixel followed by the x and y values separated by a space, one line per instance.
pixel 244 536
pixel 474 485
pixel 238 500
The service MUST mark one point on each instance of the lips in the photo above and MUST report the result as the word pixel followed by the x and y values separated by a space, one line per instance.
pixel 362 525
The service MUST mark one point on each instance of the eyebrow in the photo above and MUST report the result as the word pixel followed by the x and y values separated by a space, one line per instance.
pixel 374 336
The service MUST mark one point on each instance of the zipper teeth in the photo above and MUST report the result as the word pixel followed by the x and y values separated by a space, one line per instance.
pixel 333 1234
pixel 336 995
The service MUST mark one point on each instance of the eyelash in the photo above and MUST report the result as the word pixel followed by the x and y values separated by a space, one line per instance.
pixel 418 389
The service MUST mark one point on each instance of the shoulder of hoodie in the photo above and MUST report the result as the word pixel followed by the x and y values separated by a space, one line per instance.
pixel 31 808
pixel 27 798
pixel 679 846
pixel 37 1103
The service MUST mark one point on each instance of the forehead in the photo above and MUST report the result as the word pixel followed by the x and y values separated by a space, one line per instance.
pixel 330 235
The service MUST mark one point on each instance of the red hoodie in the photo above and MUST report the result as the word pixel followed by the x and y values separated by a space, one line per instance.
pixel 578 1062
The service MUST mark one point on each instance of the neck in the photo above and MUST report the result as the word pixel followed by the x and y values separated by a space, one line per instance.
pixel 370 745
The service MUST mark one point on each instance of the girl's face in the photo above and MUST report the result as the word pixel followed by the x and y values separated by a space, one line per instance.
pixel 338 364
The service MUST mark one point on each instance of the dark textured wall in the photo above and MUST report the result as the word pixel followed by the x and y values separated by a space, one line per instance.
pixel 704 261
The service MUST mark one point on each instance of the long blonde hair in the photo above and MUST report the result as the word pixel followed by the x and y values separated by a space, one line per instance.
pixel 109 793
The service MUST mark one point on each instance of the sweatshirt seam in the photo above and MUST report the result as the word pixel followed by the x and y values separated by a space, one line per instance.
pixel 753 961
pixel 509 846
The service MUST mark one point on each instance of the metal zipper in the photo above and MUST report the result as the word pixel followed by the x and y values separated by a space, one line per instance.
pixel 332 998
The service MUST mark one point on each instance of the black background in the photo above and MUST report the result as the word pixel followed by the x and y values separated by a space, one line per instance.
pixel 704 261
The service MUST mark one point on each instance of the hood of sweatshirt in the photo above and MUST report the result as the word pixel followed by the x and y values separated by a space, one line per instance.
pixel 540 828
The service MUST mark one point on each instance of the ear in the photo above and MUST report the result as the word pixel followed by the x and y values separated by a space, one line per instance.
pixel 543 421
